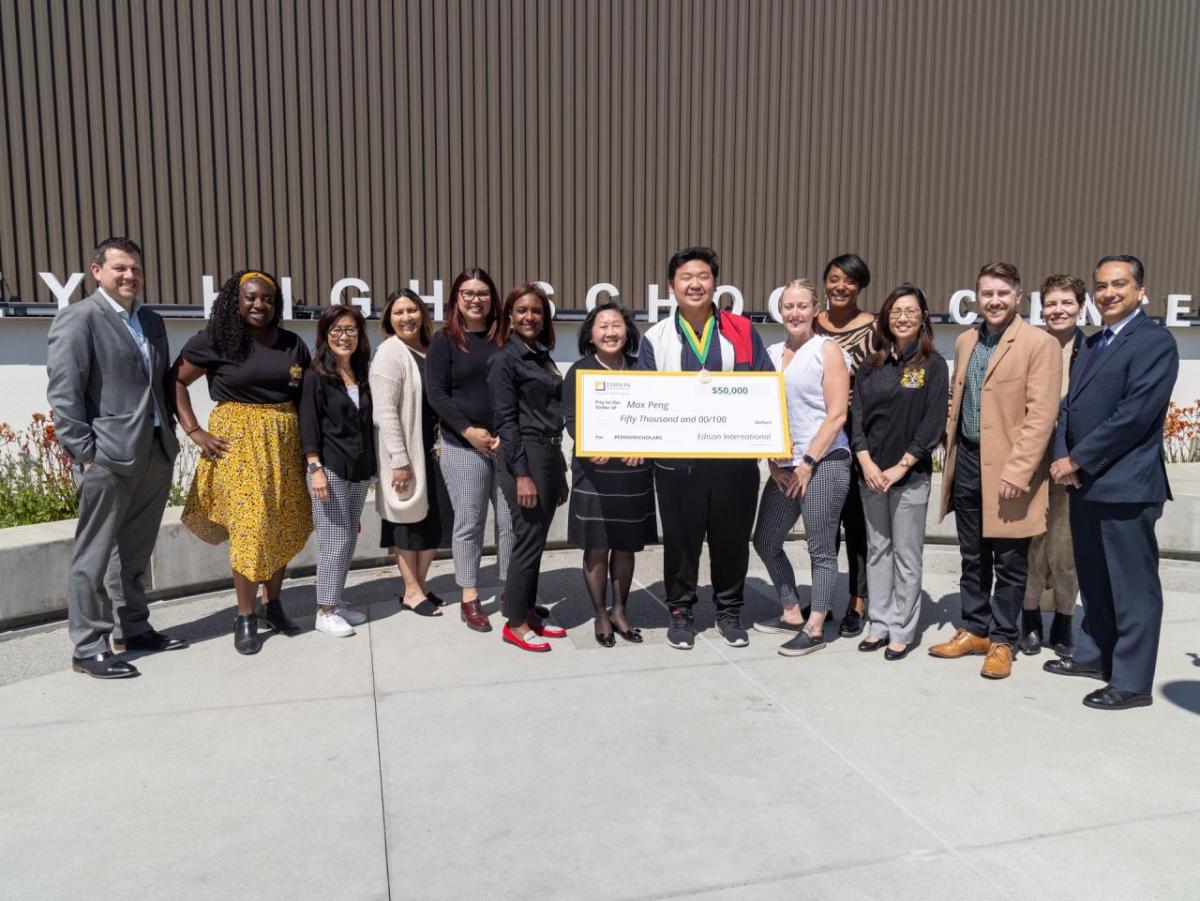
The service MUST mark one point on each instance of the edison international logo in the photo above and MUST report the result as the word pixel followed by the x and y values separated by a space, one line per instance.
pixel 612 386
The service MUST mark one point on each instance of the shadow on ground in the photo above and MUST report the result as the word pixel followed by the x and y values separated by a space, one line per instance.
pixel 1183 693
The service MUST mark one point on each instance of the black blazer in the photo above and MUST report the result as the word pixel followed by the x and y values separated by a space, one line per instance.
pixel 330 426
pixel 1111 421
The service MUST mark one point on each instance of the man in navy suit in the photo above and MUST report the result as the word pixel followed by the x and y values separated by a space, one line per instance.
pixel 1109 452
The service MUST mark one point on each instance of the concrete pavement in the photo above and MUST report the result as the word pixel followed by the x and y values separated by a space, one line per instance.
pixel 420 760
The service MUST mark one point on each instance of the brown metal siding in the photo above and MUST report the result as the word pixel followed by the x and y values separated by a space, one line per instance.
pixel 579 142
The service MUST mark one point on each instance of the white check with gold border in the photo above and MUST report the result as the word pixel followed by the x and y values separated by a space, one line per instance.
pixel 680 414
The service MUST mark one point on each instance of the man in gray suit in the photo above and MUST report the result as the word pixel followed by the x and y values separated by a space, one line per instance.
pixel 108 362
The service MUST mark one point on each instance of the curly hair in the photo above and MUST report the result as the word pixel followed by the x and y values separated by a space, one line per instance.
pixel 226 330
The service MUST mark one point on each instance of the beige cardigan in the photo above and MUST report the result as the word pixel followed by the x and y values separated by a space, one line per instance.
pixel 396 405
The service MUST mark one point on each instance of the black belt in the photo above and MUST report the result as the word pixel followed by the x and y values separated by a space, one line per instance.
pixel 542 437
pixel 968 443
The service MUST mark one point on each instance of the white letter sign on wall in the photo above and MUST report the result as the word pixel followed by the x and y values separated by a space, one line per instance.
pixel 1178 306
pixel 738 301
pixel 655 303
pixel 594 292
pixel 208 294
pixel 434 299
pixel 773 304
pixel 1035 309
pixel 363 303
pixel 956 310
pixel 62 293
pixel 285 290
pixel 549 289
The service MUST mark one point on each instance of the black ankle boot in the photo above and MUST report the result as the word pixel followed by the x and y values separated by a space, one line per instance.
pixel 1062 639
pixel 245 634
pixel 1031 632
pixel 278 621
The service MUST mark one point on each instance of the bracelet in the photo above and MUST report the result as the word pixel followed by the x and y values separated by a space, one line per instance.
pixel 192 429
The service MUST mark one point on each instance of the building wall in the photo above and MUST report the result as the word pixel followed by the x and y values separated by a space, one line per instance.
pixel 581 142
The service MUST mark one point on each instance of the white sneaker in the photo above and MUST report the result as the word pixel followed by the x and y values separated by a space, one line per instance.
pixel 333 624
pixel 352 616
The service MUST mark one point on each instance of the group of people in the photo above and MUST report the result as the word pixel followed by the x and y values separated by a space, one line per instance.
pixel 1052 458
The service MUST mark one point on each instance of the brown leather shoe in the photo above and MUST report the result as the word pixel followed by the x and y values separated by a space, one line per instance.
pixel 998 664
pixel 472 614
pixel 962 644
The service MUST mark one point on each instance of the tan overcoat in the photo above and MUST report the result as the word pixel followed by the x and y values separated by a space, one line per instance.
pixel 1019 405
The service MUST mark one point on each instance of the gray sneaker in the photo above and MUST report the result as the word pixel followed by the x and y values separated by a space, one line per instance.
pixel 802 644
pixel 776 626
pixel 681 633
pixel 730 627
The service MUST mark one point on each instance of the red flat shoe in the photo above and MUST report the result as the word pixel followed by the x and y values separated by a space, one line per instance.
pixel 512 638
pixel 546 631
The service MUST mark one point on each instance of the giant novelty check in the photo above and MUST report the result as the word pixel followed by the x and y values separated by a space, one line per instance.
pixel 681 414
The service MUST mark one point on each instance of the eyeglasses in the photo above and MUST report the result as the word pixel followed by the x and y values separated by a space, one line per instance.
pixel 904 314
pixel 475 295
pixel 350 331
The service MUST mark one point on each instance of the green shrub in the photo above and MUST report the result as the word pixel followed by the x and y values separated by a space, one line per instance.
pixel 37 483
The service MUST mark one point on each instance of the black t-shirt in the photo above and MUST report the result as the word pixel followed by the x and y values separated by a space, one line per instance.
pixel 269 375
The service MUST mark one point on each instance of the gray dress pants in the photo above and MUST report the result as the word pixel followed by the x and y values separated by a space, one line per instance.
pixel 895 548
pixel 119 518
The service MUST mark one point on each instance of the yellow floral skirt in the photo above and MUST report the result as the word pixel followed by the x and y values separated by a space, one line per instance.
pixel 254 497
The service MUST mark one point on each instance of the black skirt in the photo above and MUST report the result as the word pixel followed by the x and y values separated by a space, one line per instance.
pixel 612 506
pixel 435 530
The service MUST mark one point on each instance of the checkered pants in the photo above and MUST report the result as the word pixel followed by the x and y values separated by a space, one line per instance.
pixel 337 533
pixel 471 482
pixel 821 508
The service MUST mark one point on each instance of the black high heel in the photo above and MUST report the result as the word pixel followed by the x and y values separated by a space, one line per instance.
pixel 277 620
pixel 245 634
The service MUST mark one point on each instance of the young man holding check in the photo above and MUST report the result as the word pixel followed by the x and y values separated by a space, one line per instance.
pixel 701 499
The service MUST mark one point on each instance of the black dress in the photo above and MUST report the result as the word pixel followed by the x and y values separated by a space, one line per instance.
pixel 434 531
pixel 612 505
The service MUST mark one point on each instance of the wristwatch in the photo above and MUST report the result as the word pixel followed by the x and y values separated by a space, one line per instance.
pixel 809 460
pixel 314 467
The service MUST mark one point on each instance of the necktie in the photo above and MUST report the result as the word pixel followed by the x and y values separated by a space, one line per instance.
pixel 1097 352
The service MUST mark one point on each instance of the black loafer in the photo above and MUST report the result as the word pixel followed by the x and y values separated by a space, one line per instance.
pixel 149 641
pixel 104 665
pixel 277 620
pixel 1109 698
pixel 872 644
pixel 889 654
pixel 1068 667
pixel 852 624
pixel 245 634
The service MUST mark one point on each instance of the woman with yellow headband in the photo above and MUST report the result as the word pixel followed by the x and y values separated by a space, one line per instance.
pixel 249 486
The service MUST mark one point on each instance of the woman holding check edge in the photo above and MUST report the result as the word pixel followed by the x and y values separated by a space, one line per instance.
pixel 612 501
